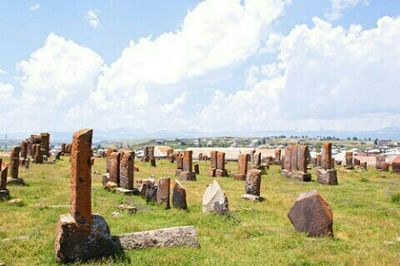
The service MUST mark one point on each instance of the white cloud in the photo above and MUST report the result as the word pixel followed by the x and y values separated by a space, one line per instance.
pixel 214 35
pixel 325 77
pixel 337 6
pixel 34 7
pixel 2 72
pixel 55 78
pixel 92 17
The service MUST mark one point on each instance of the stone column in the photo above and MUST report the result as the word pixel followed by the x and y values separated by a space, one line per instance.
pixel 302 152
pixel 179 196
pixel 114 161
pixel 24 149
pixel 163 192
pixel 326 158
pixel 38 153
pixel 253 185
pixel 14 162
pixel 221 171
pixel 126 174
pixel 81 177
pixel 45 143
pixel 242 166
pixel 213 163
pixel 187 161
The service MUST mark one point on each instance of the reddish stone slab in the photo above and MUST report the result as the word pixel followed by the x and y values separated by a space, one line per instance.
pixel 253 182
pixel 179 196
pixel 243 164
pixel 187 165
pixel 326 157
pixel 163 192
pixel 14 161
pixel 114 161
pixel 221 160
pixel 288 156
pixel 81 177
pixel 312 214
pixel 213 159
pixel 126 172
pixel 45 143
pixel 302 152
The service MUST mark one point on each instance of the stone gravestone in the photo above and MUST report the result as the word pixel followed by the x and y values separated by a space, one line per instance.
pixel 14 167
pixel 126 173
pixel 213 162
pixel 196 169
pixel 4 192
pixel 108 153
pixel 349 160
pixel 326 174
pixel 221 171
pixel 312 214
pixel 396 165
pixel 179 163
pixel 277 159
pixel 81 236
pixel 187 173
pixel 114 161
pixel 253 185
pixel 153 162
pixel 45 143
pixel 163 192
pixel 179 196
pixel 38 157
pixel 295 162
pixel 242 166
pixel 214 199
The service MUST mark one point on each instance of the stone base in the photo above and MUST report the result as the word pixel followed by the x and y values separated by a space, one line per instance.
pixel 4 194
pixel 306 177
pixel 327 177
pixel 76 242
pixel 221 173
pixel 211 172
pixel 125 191
pixel 188 176
pixel 15 181
pixel 239 177
pixel 252 197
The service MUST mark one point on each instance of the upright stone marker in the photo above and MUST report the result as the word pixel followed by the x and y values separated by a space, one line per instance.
pixel 114 161
pixel 349 160
pixel 242 166
pixel 38 158
pixel 179 196
pixel 221 171
pixel 45 143
pixel 213 162
pixel 14 167
pixel 295 162
pixel 163 192
pixel 187 173
pixel 312 214
pixel 253 185
pixel 326 175
pixel 81 236
pixel 4 192
pixel 126 174
pixel 214 199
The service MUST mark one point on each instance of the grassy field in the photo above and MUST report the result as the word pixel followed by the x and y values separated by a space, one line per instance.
pixel 366 220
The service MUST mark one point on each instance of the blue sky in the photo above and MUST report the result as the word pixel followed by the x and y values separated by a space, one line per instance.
pixel 199 65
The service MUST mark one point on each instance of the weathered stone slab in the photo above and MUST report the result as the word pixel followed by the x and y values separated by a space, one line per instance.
pixel 242 165
pixel 312 214
pixel 163 192
pixel 327 177
pixel 220 160
pixel 166 237
pixel 187 176
pixel 187 161
pixel 153 162
pixel 14 162
pixel 213 159
pixel 326 157
pixel 196 169
pixel 253 182
pixel 126 173
pixel 114 163
pixel 81 177
pixel 179 196
pixel 214 199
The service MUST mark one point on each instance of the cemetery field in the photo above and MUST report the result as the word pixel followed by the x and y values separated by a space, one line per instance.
pixel 365 204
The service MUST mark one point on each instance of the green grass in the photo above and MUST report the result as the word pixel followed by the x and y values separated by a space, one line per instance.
pixel 365 206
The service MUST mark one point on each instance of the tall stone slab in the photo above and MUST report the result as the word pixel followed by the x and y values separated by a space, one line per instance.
pixel 253 185
pixel 349 160
pixel 221 171
pixel 163 192
pixel 179 196
pixel 81 176
pixel 326 174
pixel 126 166
pixel 81 236
pixel 45 143
pixel 114 161
pixel 14 162
pixel 4 192
pixel 38 158
pixel 24 149
pixel 187 173
pixel 295 162
pixel 243 161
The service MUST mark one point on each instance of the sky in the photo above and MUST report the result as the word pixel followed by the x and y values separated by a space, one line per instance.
pixel 212 65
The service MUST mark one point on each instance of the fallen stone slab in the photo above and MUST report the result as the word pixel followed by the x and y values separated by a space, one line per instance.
pixel 127 191
pixel 15 181
pixel 252 197
pixel 166 237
